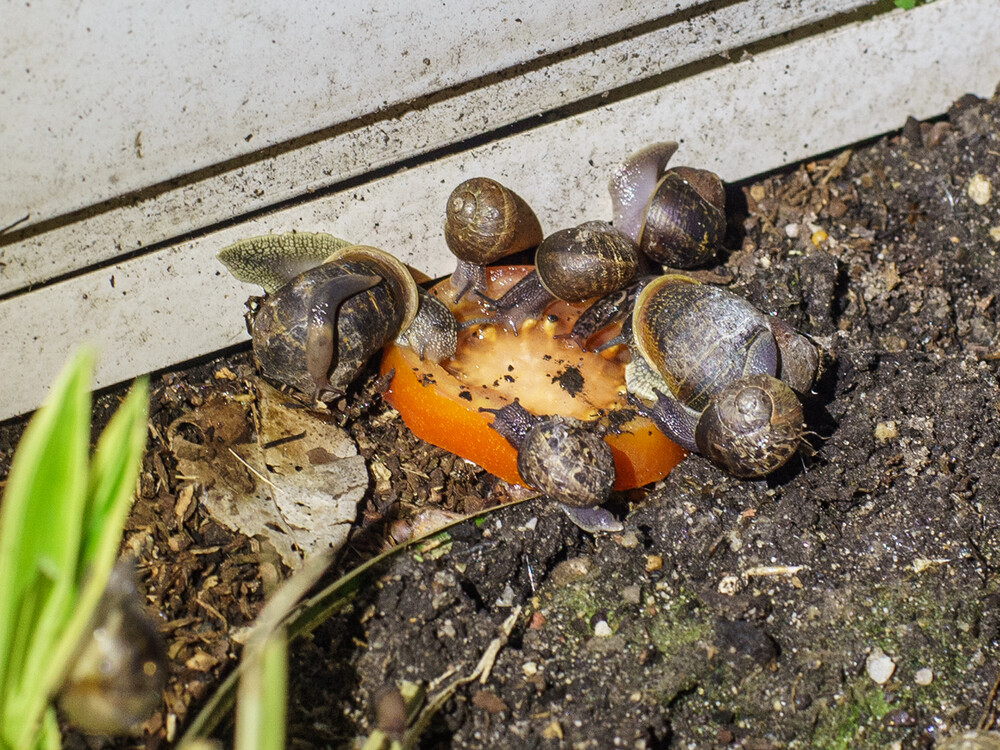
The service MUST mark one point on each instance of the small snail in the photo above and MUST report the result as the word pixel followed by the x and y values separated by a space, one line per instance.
pixel 121 667
pixel 584 262
pixel 565 459
pixel 751 427
pixel 697 353
pixel 484 222
pixel 676 216
pixel 315 332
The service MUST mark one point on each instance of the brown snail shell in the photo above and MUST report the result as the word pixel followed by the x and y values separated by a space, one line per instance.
pixel 704 361
pixel 685 220
pixel 485 222
pixel 699 338
pixel 120 670
pixel 316 332
pixel 591 260
pixel 564 459
pixel 633 182
pixel 751 427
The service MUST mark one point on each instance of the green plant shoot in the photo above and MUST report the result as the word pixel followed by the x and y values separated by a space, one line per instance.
pixel 61 522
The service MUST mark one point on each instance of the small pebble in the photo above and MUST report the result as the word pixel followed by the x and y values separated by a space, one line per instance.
pixel 602 629
pixel 729 585
pixel 529 668
pixel 995 234
pixel 632 594
pixel 886 431
pixel 506 599
pixel 791 231
pixel 553 731
pixel 923 676
pixel 531 523
pixel 653 562
pixel 880 667
pixel 979 189
pixel 628 540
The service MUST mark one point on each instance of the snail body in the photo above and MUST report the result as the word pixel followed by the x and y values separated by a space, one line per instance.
pixel 707 360
pixel 314 332
pixel 118 673
pixel 484 222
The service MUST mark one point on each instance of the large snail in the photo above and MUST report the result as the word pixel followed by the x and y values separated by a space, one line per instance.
pixel 565 459
pixel 676 216
pixel 314 332
pixel 718 373
pixel 485 222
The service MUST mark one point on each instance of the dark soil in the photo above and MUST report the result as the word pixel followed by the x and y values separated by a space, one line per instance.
pixel 728 613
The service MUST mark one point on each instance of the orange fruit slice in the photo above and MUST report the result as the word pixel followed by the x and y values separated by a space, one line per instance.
pixel 442 404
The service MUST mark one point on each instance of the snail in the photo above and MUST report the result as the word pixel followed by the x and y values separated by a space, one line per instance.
pixel 314 332
pixel 484 222
pixel 751 427
pixel 565 459
pixel 121 666
pixel 585 262
pixel 676 216
pixel 710 364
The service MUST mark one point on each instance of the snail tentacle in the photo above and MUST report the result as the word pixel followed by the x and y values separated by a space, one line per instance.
pixel 526 300
pixel 633 182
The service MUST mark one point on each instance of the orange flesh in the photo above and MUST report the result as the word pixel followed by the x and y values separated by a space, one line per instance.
pixel 441 403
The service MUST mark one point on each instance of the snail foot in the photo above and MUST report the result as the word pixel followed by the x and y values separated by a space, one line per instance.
pixel 592 520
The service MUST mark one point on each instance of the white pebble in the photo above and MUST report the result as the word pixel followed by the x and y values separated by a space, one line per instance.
pixel 602 629
pixel 979 189
pixel 880 667
pixel 923 676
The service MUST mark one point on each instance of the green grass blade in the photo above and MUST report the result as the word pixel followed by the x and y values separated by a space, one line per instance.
pixel 50 738
pixel 114 469
pixel 40 521
pixel 263 696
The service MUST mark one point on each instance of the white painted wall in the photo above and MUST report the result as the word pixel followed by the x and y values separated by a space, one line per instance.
pixel 75 145
pixel 103 98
